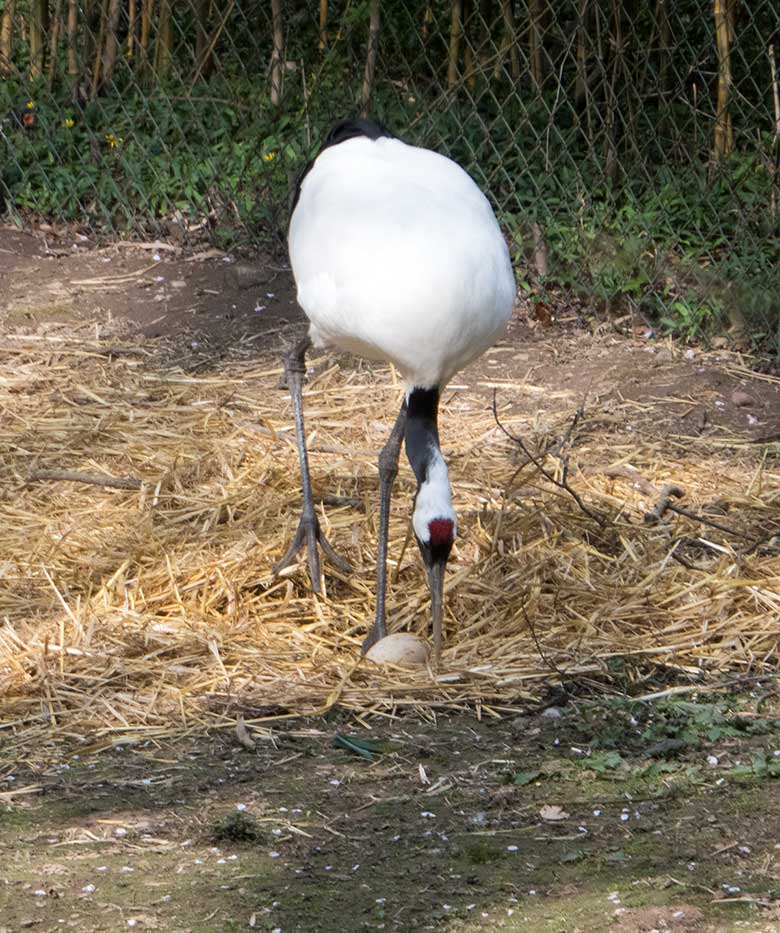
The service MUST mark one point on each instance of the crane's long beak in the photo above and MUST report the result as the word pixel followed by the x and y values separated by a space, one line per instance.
pixel 436 582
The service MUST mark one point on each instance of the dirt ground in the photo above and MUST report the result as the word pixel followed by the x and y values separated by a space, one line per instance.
pixel 570 815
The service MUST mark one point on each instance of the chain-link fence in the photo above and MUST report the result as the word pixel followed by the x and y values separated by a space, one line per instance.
pixel 632 149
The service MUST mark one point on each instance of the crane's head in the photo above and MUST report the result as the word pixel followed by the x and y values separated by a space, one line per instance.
pixel 435 526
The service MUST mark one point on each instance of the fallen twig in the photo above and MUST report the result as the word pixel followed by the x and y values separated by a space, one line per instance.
pixel 665 496
pixel 563 482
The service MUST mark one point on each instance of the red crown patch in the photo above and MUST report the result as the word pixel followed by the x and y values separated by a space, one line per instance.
pixel 442 532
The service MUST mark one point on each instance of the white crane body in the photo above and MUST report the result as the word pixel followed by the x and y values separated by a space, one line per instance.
pixel 397 256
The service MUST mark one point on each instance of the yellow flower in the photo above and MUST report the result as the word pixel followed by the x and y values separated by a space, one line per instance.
pixel 67 123
pixel 269 157
pixel 113 141
pixel 31 105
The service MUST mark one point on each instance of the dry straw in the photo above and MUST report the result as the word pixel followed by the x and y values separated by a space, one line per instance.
pixel 143 508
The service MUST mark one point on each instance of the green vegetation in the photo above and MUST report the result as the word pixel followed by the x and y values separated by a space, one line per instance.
pixel 614 140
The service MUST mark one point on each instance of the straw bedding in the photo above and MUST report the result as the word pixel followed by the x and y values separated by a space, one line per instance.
pixel 135 611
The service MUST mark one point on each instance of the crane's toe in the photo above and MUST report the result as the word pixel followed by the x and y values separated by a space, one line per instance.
pixel 310 535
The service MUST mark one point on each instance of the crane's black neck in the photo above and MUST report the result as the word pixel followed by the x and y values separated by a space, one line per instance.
pixel 422 432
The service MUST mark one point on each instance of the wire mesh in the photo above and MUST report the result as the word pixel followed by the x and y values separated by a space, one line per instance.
pixel 632 150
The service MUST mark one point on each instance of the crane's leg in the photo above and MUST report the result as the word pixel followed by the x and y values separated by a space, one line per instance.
pixel 309 532
pixel 388 470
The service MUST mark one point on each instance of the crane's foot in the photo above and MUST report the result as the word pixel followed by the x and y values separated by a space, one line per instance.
pixel 310 536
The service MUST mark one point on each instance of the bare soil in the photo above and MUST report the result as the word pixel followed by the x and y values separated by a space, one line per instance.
pixel 457 824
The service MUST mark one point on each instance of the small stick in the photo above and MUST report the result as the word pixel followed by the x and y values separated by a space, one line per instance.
pixel 665 497
pixel 117 482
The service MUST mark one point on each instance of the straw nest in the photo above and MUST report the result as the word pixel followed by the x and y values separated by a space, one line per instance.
pixel 133 611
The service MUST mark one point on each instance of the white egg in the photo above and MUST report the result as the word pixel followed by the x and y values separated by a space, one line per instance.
pixel 402 649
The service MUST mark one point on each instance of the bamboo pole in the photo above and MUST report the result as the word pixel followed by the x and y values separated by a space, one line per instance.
pixel 99 50
pixel 373 45
pixel 469 59
pixel 6 36
pixel 456 32
pixel 111 43
pixel 73 25
pixel 582 91
pixel 277 55
pixel 36 37
pixel 143 58
pixel 723 139
pixel 323 24
pixel 508 42
pixel 775 141
pixel 664 43
pixel 581 85
pixel 535 12
pixel 203 57
pixel 54 41
pixel 611 112
pixel 775 91
pixel 205 63
pixel 131 11
pixel 164 43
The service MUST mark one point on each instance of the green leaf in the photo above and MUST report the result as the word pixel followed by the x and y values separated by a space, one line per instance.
pixel 576 855
pixel 366 748
pixel 521 778
pixel 602 761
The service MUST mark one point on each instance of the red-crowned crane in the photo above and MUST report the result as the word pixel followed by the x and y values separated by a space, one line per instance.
pixel 397 256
